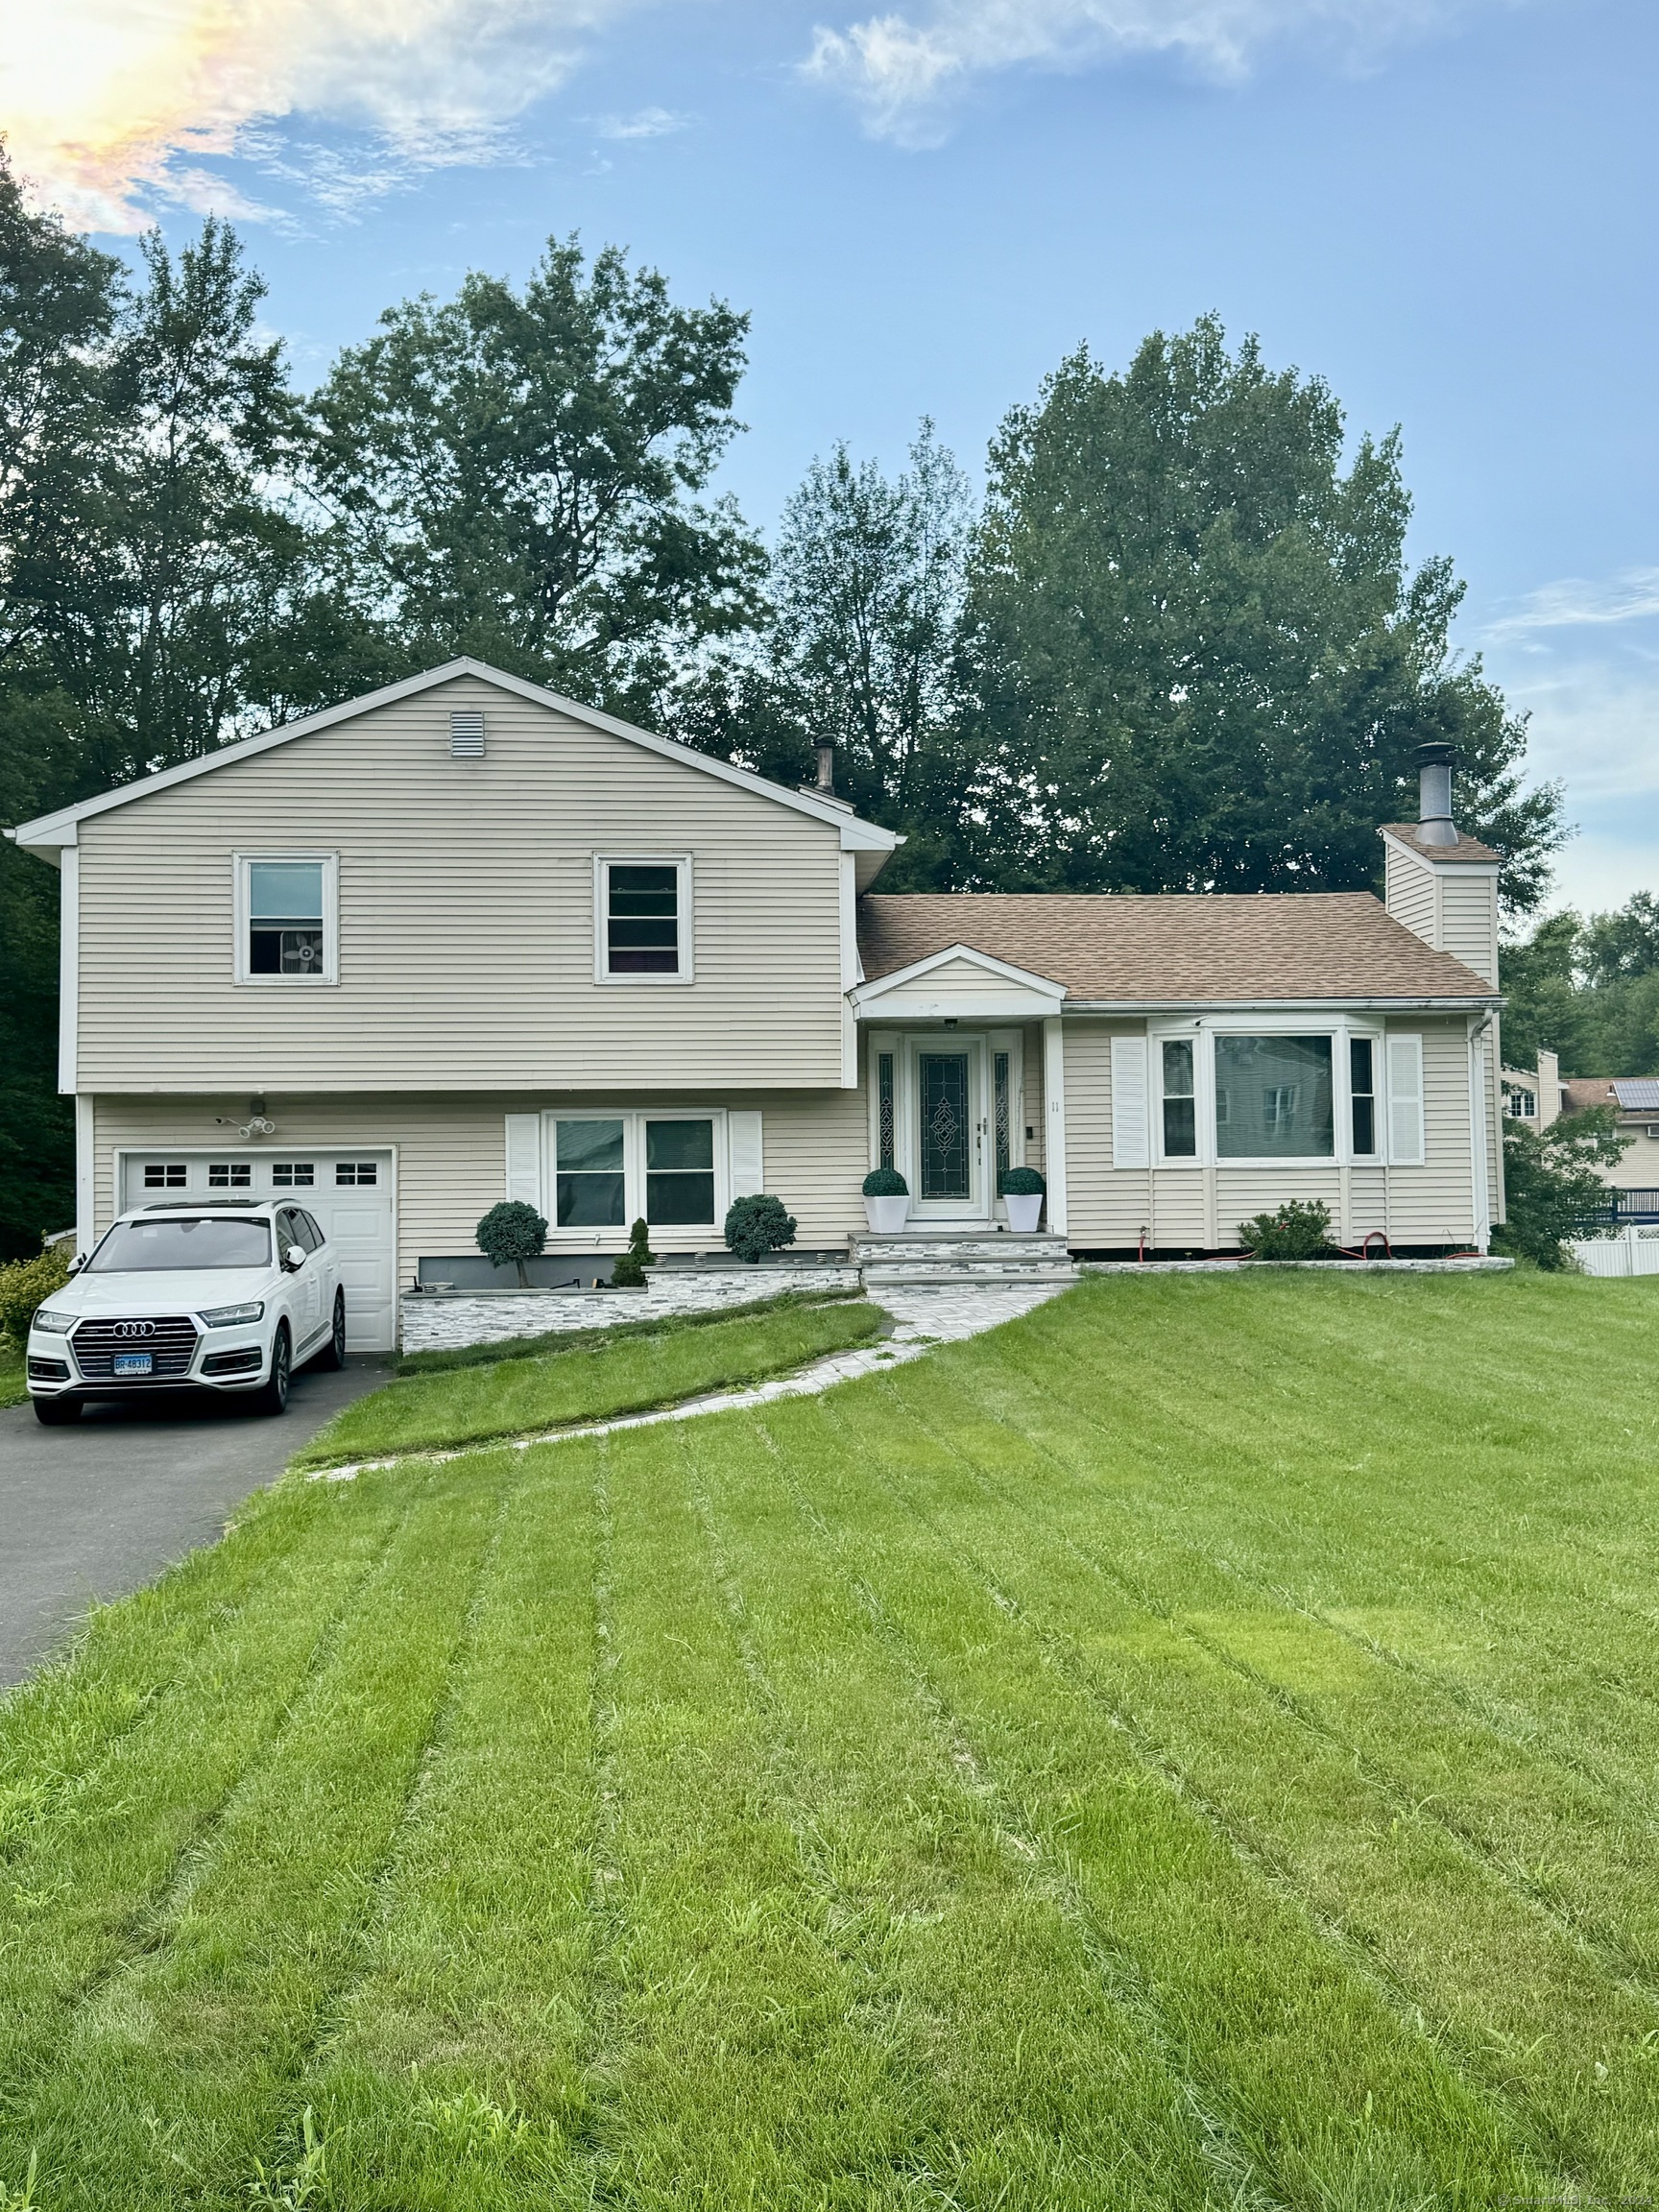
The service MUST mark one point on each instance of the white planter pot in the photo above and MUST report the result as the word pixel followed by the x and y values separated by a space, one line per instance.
pixel 886 1216
pixel 1023 1211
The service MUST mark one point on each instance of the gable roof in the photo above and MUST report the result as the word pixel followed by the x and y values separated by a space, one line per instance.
pixel 49 830
pixel 1204 948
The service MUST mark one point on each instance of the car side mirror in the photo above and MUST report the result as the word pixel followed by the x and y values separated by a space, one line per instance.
pixel 294 1259
pixel 77 1264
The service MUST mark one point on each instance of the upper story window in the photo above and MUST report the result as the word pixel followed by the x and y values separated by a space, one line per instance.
pixel 286 918
pixel 643 920
pixel 1520 1105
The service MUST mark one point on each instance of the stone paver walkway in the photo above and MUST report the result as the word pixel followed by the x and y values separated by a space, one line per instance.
pixel 921 1318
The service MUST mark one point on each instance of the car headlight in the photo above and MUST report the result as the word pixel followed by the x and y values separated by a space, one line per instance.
pixel 52 1324
pixel 224 1316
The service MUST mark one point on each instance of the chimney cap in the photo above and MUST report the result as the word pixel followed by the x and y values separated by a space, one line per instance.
pixel 1437 753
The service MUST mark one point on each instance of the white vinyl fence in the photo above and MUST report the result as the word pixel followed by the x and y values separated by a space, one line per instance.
pixel 1634 1251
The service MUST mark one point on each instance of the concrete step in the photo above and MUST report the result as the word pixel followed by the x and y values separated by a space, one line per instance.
pixel 929 1250
pixel 880 1279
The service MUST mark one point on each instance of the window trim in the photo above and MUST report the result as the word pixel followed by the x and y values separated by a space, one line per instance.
pixel 329 972
pixel 680 863
pixel 634 1171
pixel 1202 1035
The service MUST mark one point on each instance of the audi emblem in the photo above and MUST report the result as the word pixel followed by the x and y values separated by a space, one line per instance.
pixel 134 1329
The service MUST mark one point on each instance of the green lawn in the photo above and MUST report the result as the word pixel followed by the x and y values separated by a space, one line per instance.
pixel 1194 1747
pixel 476 1404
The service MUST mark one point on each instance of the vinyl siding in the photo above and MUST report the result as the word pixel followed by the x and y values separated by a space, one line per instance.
pixel 1469 920
pixel 466 919
pixel 1200 1208
pixel 451 1152
pixel 1408 893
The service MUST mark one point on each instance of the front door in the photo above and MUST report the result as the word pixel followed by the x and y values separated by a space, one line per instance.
pixel 947 1120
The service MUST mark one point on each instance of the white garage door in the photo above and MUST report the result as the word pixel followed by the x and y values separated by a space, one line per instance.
pixel 350 1194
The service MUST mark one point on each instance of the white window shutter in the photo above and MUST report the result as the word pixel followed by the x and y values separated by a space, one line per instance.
pixel 748 1162
pixel 1405 1101
pixel 1130 1146
pixel 524 1159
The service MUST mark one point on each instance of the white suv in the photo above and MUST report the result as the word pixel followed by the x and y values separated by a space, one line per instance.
pixel 230 1295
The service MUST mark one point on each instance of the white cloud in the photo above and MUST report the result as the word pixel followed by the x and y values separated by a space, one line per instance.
pixel 1576 603
pixel 108 106
pixel 904 73
pixel 647 123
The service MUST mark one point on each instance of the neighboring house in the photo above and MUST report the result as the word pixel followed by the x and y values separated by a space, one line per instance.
pixel 1536 1095
pixel 1635 1103
pixel 463 939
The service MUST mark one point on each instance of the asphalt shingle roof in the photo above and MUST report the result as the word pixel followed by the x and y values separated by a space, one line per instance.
pixel 1173 948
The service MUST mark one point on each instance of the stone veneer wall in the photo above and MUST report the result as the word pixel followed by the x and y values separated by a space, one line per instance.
pixel 443 1320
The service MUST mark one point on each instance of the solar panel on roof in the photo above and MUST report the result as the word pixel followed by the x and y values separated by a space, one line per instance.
pixel 1638 1093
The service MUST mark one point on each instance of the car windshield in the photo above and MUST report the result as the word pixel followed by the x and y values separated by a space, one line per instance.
pixel 149 1247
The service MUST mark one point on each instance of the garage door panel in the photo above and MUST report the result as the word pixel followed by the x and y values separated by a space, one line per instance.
pixel 350 1191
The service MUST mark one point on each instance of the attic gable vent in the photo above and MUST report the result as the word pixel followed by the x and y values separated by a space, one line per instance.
pixel 467 733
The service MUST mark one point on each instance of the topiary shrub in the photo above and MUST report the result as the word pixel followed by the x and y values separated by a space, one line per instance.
pixel 1022 1183
pixel 628 1271
pixel 510 1234
pixel 29 1282
pixel 886 1183
pixel 758 1225
pixel 1300 1230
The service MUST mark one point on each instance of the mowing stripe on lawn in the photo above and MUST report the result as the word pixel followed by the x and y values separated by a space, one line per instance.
pixel 733 2068
pixel 76 1894
pixel 451 2077
pixel 1316 2080
pixel 1449 1928
pixel 1056 2094
pixel 1538 1823
pixel 173 2080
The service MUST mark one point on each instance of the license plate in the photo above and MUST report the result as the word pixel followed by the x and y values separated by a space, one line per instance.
pixel 133 1362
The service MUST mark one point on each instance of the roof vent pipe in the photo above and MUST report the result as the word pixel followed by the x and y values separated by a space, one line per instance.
pixel 826 769
pixel 1434 823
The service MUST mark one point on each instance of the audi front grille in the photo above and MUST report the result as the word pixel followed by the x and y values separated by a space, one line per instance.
pixel 171 1343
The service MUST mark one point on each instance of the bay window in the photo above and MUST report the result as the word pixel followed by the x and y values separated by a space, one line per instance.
pixel 1273 1098
pixel 1362 1095
pixel 1228 1095
pixel 1180 1100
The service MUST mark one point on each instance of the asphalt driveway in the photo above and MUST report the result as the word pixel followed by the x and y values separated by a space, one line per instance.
pixel 94 1511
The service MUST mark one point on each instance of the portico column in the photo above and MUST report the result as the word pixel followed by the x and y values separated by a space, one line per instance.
pixel 1054 1112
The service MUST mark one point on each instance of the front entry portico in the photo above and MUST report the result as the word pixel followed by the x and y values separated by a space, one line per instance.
pixel 949 1116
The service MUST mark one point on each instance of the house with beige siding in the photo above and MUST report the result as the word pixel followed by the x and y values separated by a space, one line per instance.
pixel 464 939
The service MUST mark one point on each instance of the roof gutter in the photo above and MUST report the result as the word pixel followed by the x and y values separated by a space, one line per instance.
pixel 1260 1005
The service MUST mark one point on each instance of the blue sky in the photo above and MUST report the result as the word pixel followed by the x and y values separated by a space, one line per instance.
pixel 1446 210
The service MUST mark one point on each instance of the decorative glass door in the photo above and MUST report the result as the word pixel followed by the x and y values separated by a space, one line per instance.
pixel 945 1132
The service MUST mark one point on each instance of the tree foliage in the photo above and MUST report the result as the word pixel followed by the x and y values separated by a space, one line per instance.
pixel 512 475
pixel 1198 657
pixel 1551 1188
pixel 1587 989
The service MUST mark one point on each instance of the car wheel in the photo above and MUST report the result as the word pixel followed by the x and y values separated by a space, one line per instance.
pixel 333 1353
pixel 58 1413
pixel 271 1396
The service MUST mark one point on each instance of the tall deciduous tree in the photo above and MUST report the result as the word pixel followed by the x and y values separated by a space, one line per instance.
pixel 513 475
pixel 1199 656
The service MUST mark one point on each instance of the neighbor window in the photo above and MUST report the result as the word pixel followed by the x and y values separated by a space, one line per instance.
pixel 1180 1104
pixel 588 1177
pixel 285 903
pixel 1273 1098
pixel 679 1172
pixel 1362 1093
pixel 642 919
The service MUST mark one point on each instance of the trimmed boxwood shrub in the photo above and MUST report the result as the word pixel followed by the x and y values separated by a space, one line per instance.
pixel 1022 1183
pixel 1298 1231
pixel 628 1271
pixel 886 1183
pixel 510 1234
pixel 758 1225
